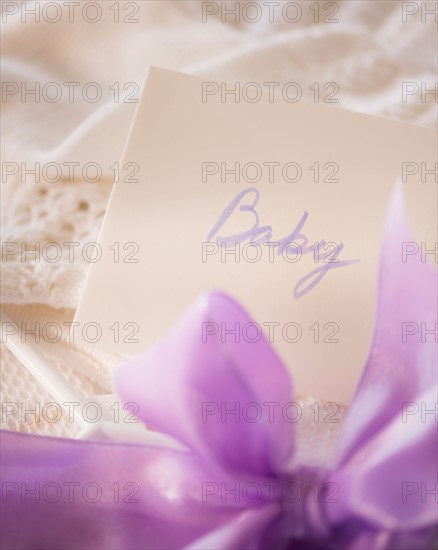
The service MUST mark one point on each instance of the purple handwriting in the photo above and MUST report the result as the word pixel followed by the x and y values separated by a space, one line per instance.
pixel 262 234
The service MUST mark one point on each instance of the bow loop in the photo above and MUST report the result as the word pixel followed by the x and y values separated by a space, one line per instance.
pixel 215 390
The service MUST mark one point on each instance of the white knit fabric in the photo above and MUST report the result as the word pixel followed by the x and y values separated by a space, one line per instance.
pixel 369 53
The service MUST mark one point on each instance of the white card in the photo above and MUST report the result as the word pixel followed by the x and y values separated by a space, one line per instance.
pixel 307 171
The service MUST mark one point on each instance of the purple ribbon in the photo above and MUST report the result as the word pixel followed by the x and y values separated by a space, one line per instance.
pixel 378 494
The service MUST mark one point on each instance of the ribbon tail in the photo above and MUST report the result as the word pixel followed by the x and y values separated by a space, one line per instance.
pixel 72 494
pixel 245 533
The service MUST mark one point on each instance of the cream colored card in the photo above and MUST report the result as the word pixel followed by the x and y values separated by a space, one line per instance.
pixel 223 186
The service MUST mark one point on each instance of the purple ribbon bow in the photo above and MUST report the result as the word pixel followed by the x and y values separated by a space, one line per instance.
pixel 233 483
